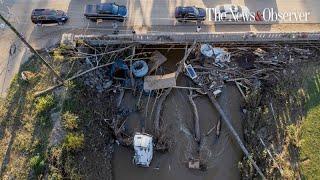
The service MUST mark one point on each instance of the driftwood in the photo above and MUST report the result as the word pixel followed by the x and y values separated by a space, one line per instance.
pixel 40 93
pixel 269 153
pixel 122 91
pixel 130 74
pixel 167 91
pixel 70 79
pixel 218 127
pixel 196 117
pixel 183 87
pixel 242 93
pixel 211 130
pixel 158 111
pixel 233 131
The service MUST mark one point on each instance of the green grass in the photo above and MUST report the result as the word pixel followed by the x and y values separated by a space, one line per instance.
pixel 310 132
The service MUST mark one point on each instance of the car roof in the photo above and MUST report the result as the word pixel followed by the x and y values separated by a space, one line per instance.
pixel 237 8
pixel 229 7
pixel 186 9
pixel 43 11
pixel 107 7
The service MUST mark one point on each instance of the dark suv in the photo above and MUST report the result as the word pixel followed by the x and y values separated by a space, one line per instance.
pixel 48 16
pixel 190 13
pixel 106 11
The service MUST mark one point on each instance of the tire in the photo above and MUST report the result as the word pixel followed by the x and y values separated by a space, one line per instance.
pixel 139 68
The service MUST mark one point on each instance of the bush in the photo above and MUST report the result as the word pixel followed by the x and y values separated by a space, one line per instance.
pixel 44 104
pixel 38 164
pixel 70 121
pixel 74 142
pixel 57 55
pixel 55 175
pixel 293 134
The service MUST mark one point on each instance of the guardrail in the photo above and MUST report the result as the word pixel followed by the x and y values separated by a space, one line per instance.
pixel 177 37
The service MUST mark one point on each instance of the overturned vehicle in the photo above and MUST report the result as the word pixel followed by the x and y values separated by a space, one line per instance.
pixel 143 147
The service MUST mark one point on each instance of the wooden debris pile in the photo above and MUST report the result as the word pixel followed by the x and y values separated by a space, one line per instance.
pixel 248 67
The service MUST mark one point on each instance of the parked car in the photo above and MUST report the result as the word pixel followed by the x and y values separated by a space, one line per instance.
pixel 190 13
pixel 232 12
pixel 106 11
pixel 48 16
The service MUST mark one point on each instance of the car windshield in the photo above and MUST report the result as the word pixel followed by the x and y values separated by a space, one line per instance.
pixel 115 9
pixel 108 8
pixel 196 11
pixel 52 12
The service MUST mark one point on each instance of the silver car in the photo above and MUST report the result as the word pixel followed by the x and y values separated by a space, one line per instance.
pixel 231 12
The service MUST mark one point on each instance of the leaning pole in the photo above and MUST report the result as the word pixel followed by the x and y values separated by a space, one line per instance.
pixel 233 131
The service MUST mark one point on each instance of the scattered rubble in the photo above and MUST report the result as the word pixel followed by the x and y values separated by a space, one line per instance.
pixel 208 69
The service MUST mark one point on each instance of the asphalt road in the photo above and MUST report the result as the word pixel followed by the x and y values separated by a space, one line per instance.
pixel 144 16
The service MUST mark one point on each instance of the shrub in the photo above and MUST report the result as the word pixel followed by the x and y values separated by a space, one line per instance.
pixel 38 164
pixel 55 175
pixel 44 104
pixel 293 134
pixel 74 141
pixel 70 121
pixel 57 55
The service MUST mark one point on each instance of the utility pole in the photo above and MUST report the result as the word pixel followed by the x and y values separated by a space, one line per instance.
pixel 31 48
pixel 233 131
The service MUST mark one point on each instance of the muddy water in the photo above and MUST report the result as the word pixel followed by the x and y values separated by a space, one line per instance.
pixel 221 155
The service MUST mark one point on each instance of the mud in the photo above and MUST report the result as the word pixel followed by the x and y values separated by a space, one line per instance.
pixel 221 155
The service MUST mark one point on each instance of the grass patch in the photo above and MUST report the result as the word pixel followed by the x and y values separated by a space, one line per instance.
pixel 310 132
pixel 27 124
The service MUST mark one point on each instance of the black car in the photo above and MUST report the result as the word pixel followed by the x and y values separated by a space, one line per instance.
pixel 190 13
pixel 106 11
pixel 48 16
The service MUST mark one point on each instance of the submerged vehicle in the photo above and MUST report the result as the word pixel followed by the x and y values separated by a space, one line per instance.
pixel 106 11
pixel 48 16
pixel 143 147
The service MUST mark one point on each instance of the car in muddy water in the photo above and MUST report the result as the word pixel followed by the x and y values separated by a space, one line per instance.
pixel 49 16
pixel 190 13
pixel 143 147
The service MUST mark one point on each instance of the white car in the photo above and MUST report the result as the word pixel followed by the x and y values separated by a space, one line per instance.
pixel 143 147
pixel 231 12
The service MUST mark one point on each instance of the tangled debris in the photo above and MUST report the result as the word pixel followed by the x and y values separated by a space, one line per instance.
pixel 250 69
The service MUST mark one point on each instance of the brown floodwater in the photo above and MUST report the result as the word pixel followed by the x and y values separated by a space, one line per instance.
pixel 221 155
